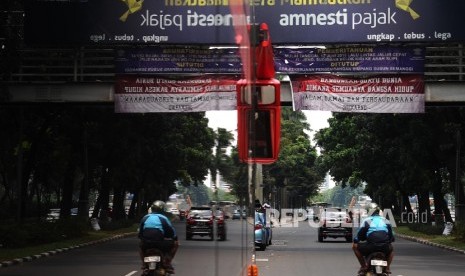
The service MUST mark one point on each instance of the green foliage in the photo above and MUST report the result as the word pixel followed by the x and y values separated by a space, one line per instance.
pixel 296 166
pixel 7 254
pixel 221 195
pixel 397 155
pixel 459 231
pixel 426 228
pixel 13 236
pixel 325 196
pixel 29 234
pixel 67 152
pixel 222 162
pixel 115 224
pixel 341 196
pixel 199 195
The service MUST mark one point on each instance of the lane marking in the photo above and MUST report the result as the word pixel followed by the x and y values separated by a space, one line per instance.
pixel 279 242
pixel 131 273
pixel 261 260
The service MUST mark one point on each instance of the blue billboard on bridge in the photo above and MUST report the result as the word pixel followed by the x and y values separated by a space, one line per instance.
pixel 210 21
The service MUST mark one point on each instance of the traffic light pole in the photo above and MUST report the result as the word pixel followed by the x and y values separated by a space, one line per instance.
pixel 252 134
pixel 258 104
pixel 459 198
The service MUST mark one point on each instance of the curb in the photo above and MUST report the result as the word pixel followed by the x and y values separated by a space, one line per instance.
pixel 61 250
pixel 422 241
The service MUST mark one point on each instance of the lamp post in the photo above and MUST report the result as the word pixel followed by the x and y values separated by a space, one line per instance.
pixel 459 204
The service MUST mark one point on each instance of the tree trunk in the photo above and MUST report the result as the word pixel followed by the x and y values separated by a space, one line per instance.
pixel 97 207
pixel 29 163
pixel 68 188
pixel 453 165
pixel 83 206
pixel 441 211
pixel 395 205
pixel 132 209
pixel 39 201
pixel 19 169
pixel 424 210
pixel 118 204
pixel 406 203
pixel 141 204
pixel 104 197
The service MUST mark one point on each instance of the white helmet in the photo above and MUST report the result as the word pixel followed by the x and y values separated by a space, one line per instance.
pixel 158 206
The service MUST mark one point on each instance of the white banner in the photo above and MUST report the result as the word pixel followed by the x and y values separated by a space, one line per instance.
pixel 136 94
pixel 382 94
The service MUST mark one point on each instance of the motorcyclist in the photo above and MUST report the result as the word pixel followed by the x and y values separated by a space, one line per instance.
pixel 268 222
pixel 156 231
pixel 376 230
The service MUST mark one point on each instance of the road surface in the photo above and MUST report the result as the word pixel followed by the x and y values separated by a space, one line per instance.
pixel 295 251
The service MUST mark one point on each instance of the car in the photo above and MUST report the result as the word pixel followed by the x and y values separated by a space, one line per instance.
pixel 54 213
pixel 200 221
pixel 436 218
pixel 262 231
pixel 310 215
pixel 182 214
pixel 335 223
pixel 174 211
pixel 237 214
pixel 316 208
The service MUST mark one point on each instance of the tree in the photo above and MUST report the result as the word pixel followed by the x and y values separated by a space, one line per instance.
pixel 222 162
pixel 199 195
pixel 338 196
pixel 295 169
pixel 70 151
pixel 396 154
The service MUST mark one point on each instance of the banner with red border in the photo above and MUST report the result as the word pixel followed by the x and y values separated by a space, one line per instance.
pixel 378 94
pixel 144 94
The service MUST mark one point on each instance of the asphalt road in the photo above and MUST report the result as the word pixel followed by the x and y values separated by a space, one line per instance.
pixel 199 256
pixel 295 251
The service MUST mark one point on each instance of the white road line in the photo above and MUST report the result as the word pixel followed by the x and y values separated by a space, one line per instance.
pixel 131 273
pixel 261 260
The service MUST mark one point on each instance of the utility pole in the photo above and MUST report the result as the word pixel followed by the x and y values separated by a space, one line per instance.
pixel 459 197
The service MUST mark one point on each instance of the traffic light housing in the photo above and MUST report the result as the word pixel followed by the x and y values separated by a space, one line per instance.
pixel 259 120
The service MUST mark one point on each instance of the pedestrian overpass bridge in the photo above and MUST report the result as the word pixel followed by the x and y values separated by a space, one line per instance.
pixel 73 75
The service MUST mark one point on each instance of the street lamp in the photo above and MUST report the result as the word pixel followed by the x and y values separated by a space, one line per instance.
pixel 459 205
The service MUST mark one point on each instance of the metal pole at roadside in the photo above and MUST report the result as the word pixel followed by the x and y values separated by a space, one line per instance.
pixel 459 198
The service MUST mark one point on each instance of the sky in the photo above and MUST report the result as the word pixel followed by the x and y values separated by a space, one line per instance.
pixel 228 120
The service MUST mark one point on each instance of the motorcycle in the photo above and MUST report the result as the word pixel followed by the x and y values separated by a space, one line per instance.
pixel 153 261
pixel 377 264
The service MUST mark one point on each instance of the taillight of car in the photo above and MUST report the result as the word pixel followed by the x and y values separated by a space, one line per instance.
pixel 190 221
pixel 220 220
pixel 258 227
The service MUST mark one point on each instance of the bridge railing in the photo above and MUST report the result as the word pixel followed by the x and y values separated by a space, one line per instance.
pixel 83 64
pixel 445 63
pixel 20 64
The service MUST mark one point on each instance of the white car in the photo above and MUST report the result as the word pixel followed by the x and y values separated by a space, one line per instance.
pixel 237 214
pixel 174 211
pixel 335 223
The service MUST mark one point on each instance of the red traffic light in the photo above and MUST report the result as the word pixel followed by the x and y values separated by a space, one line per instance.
pixel 259 120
